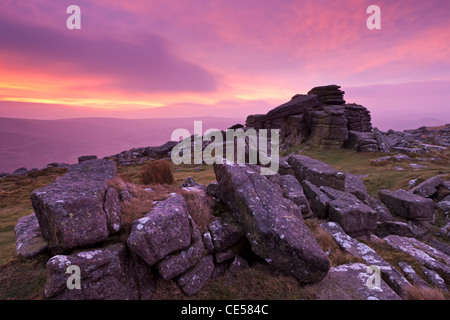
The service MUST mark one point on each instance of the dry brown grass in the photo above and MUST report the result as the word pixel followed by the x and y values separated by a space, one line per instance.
pixel 198 208
pixel 420 293
pixel 157 172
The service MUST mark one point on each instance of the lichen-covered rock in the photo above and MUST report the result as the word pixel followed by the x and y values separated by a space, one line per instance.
pixel 193 280
pixel 293 191
pixel 272 224
pixel 318 200
pixel 112 210
pixel 425 254
pixel 355 186
pixel 224 234
pixel 106 274
pixel 29 240
pixel 412 275
pixel 407 205
pixel 349 212
pixel 70 210
pixel 162 231
pixel 435 279
pixel 358 249
pixel 352 282
pixel 316 172
pixel 398 228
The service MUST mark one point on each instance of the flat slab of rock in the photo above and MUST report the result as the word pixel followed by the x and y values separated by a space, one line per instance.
pixel 358 249
pixel 162 231
pixel 29 240
pixel 272 223
pixel 316 172
pixel 428 256
pixel 70 210
pixel 352 282
pixel 407 205
pixel 105 275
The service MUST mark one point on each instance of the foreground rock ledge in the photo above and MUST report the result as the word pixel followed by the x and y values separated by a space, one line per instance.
pixel 70 210
pixel 272 224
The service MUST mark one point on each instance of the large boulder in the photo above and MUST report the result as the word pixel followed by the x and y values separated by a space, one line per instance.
pixel 272 224
pixel 105 274
pixel 164 230
pixel 224 234
pixel 356 218
pixel 407 205
pixel 29 240
pixel 316 172
pixel 70 210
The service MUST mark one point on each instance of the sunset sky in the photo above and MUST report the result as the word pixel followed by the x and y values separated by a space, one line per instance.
pixel 225 58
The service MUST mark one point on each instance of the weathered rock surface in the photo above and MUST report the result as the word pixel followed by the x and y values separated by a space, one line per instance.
pixel 412 276
pixel 272 224
pixel 106 274
pixel 398 228
pixel 316 172
pixel 224 234
pixel 70 210
pixel 358 249
pixel 428 187
pixel 349 212
pixel 428 256
pixel 317 199
pixel 293 191
pixel 352 282
pixel 435 279
pixel 193 280
pixel 330 94
pixel 407 205
pixel 164 230
pixel 113 211
pixel 362 141
pixel 29 240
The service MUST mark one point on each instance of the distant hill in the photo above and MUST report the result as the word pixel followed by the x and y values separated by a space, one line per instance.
pixel 36 143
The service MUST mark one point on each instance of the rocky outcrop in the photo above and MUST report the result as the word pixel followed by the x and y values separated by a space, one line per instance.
pixel 272 224
pixel 330 95
pixel 29 240
pixel 71 210
pixel 292 190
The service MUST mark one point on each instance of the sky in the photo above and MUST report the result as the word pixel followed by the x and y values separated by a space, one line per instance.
pixel 227 58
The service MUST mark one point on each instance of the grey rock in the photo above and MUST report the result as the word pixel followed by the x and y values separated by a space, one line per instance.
pixel 86 158
pixel 145 278
pixel 407 205
pixel 125 195
pixel 435 279
pixel 106 274
pixel 294 191
pixel 355 186
pixel 70 210
pixel 21 171
pixel 162 231
pixel 113 210
pixel 317 172
pixel 350 282
pixel 428 187
pixel 224 234
pixel 358 249
pixel 224 256
pixel 193 280
pixel 412 275
pixel 208 243
pixel 318 200
pixel 394 227
pixel 237 265
pixel 29 240
pixel 271 223
pixel 383 213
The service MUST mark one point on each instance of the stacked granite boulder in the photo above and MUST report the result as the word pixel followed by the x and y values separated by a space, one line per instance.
pixel 329 95
pixel 322 118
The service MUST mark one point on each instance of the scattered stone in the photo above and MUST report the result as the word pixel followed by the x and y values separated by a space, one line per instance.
pixel 401 157
pixel 29 240
pixel 162 231
pixel 398 168
pixel 381 161
pixel 407 205
pixel 412 183
pixel 224 256
pixel 383 214
pixel 193 280
pixel 389 274
pixel 271 223
pixel 352 282
pixel 70 210
pixel 428 187
pixel 417 166
pixel 105 275
pixel 237 265
pixel 86 158
pixel 412 275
